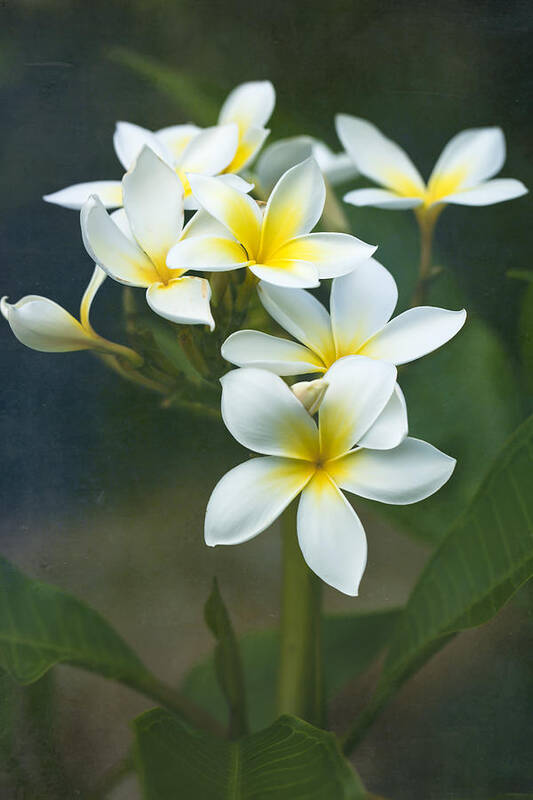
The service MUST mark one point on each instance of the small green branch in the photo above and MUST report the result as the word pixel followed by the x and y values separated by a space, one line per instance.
pixel 174 701
pixel 300 679
pixel 426 223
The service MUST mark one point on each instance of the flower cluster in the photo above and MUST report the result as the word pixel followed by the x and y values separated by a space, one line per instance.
pixel 346 430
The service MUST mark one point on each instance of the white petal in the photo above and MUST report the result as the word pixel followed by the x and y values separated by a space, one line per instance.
pixel 469 158
pixel 97 279
pixel 414 333
pixel 250 143
pixel 251 496
pixel 207 253
pixel 120 219
pixel 330 534
pixel 112 250
pixel 210 151
pixel 331 253
pixel 390 428
pixel 184 300
pixel 236 182
pixel 381 198
pixel 359 389
pixel 203 224
pixel 262 413
pixel 411 472
pixel 288 273
pixel 294 207
pixel 277 158
pixel 109 192
pixel 153 201
pixel 337 167
pixel 176 138
pixel 361 303
pixel 43 325
pixel 238 212
pixel 301 315
pixel 280 356
pixel 250 104
pixel 129 140
pixel 377 157
pixel 486 194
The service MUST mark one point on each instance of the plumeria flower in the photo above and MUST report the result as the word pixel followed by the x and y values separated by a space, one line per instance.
pixel 277 158
pixel 461 175
pixel 359 445
pixel 362 304
pixel 132 244
pixel 44 325
pixel 224 148
pixel 276 245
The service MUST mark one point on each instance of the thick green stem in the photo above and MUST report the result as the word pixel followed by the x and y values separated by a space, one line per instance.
pixel 300 679
pixel 426 223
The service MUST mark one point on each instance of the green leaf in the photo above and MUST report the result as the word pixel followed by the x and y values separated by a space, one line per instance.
pixel 41 626
pixel 484 559
pixel 350 643
pixel 290 760
pixel 525 332
pixel 228 663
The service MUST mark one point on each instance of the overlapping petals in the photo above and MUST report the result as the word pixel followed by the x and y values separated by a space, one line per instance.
pixel 461 174
pixel 360 444
pixel 277 246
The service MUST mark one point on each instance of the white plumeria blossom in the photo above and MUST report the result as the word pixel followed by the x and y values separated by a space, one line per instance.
pixel 280 156
pixel 462 174
pixel 132 244
pixel 359 323
pixel 275 244
pixel 360 445
pixel 225 148
pixel 44 325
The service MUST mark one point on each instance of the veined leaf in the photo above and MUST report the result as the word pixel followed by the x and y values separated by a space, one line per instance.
pixel 350 644
pixel 41 626
pixel 290 760
pixel 483 560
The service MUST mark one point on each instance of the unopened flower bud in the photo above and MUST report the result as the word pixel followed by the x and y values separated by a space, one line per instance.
pixel 310 393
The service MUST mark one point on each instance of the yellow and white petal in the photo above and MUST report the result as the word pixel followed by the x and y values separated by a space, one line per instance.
pixel 203 224
pixel 251 496
pixel 129 140
pixel 289 273
pixel 153 201
pixel 332 254
pixel 362 302
pixel 381 198
pixel 378 157
pixel 120 219
pixel 97 279
pixel 331 536
pixel 301 315
pixel 184 300
pixel 391 427
pixel 496 191
pixel 249 145
pixel 294 207
pixel 43 325
pixel 114 252
pixel 468 159
pixel 280 356
pixel 410 472
pixel 235 181
pixel 109 192
pixel 207 254
pixel 234 209
pixel 359 389
pixel 176 138
pixel 210 151
pixel 413 334
pixel 337 167
pixel 249 105
pixel 261 412
pixel 277 158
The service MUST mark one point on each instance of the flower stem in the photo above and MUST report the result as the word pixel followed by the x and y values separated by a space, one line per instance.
pixel 426 224
pixel 300 679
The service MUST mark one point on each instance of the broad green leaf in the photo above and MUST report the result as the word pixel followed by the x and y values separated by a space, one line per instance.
pixel 290 760
pixel 483 560
pixel 227 660
pixel 41 626
pixel 350 642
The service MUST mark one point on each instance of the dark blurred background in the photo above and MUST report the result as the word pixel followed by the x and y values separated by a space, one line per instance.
pixel 103 491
